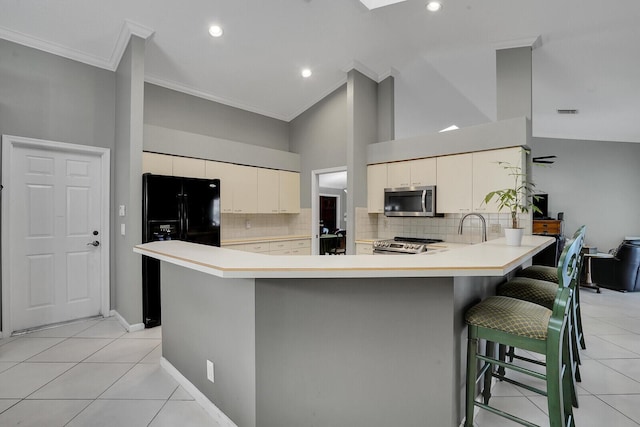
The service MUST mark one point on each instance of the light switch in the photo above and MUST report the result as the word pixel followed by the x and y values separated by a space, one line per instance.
pixel 122 229
pixel 121 211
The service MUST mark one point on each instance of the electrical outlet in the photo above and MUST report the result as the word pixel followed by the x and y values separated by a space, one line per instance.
pixel 494 228
pixel 247 224
pixel 210 374
pixel 121 210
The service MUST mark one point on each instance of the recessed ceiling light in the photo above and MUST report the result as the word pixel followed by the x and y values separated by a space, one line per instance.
pixel 452 127
pixel 306 73
pixel 215 31
pixel 434 6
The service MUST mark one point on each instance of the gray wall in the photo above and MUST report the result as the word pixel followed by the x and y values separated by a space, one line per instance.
pixel 175 110
pixel 209 318
pixel 386 109
pixel 319 136
pixel 128 188
pixel 513 82
pixel 593 183
pixel 48 97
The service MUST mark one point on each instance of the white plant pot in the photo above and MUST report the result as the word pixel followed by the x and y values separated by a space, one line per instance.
pixel 513 236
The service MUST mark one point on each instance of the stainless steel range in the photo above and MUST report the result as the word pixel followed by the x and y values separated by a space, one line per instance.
pixel 402 246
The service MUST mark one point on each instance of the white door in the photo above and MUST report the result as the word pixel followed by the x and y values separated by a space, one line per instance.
pixel 56 233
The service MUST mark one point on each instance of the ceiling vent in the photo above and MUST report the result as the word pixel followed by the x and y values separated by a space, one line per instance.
pixel 566 111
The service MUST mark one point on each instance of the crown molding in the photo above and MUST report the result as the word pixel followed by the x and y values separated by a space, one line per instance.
pixel 54 48
pixel 363 69
pixel 179 87
pixel 532 42
pixel 128 29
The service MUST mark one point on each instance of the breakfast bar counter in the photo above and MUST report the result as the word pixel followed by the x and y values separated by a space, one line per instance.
pixel 363 340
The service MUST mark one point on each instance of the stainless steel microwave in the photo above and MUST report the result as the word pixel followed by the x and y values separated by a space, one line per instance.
pixel 410 201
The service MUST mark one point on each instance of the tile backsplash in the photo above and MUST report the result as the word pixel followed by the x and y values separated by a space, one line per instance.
pixel 238 226
pixel 446 228
pixel 370 226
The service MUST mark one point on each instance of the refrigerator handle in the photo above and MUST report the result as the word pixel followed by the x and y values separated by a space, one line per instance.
pixel 180 216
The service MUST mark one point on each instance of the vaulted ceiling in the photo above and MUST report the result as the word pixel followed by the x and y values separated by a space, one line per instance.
pixel 443 63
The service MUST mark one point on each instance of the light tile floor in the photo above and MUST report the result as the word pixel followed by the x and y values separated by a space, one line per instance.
pixel 93 373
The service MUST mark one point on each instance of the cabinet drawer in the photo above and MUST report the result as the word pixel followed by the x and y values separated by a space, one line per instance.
pixel 257 247
pixel 279 246
pixel 296 244
pixel 547 227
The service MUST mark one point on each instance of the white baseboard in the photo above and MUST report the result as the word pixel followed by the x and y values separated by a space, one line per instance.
pixel 200 398
pixel 125 324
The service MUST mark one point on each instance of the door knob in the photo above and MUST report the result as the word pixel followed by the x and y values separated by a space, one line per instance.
pixel 94 243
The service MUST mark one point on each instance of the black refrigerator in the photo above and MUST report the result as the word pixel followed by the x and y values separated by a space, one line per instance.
pixel 175 208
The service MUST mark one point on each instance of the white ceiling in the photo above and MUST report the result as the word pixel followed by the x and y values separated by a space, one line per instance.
pixel 444 63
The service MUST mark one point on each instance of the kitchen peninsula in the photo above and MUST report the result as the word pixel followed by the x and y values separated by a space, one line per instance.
pixel 357 340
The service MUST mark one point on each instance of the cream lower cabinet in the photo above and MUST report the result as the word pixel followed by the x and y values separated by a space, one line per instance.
pixel 376 183
pixel 364 249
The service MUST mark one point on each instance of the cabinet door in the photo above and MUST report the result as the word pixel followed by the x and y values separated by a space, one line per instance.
pixel 223 172
pixel 245 189
pixel 159 164
pixel 489 176
pixel 423 172
pixel 398 174
pixel 376 183
pixel 268 190
pixel 188 167
pixel 364 249
pixel 289 192
pixel 454 181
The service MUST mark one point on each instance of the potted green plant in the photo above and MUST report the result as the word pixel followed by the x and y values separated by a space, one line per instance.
pixel 517 199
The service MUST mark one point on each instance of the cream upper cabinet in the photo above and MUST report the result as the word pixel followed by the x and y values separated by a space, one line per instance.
pixel 454 183
pixel 159 164
pixel 188 167
pixel 488 175
pixel 423 172
pixel 225 173
pixel 398 174
pixel 376 183
pixel 245 189
pixel 268 190
pixel 289 184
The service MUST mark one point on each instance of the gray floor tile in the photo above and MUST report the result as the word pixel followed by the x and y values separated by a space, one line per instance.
pixel 143 381
pixel 629 342
pixel 104 329
pixel 23 348
pixel 6 365
pixel 71 350
pixel 125 350
pixel 627 404
pixel 181 394
pixel 25 378
pixel 7 403
pixel 154 356
pixel 183 413
pixel 83 381
pixel 600 379
pixel 598 348
pixel 593 412
pixel 145 333
pixel 111 413
pixel 38 413
pixel 627 367
pixel 64 331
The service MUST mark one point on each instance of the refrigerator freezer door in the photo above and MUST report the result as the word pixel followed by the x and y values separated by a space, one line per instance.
pixel 201 209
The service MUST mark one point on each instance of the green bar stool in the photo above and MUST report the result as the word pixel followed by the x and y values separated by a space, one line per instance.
pixel 544 294
pixel 522 324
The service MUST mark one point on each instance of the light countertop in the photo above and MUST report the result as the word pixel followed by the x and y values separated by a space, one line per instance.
pixel 492 258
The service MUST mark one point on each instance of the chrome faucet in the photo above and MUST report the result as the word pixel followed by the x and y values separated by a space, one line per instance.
pixel 484 224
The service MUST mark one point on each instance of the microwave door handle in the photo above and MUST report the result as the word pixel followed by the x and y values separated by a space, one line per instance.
pixel 424 200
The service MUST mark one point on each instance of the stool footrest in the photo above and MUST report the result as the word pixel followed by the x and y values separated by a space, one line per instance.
pixel 505 415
